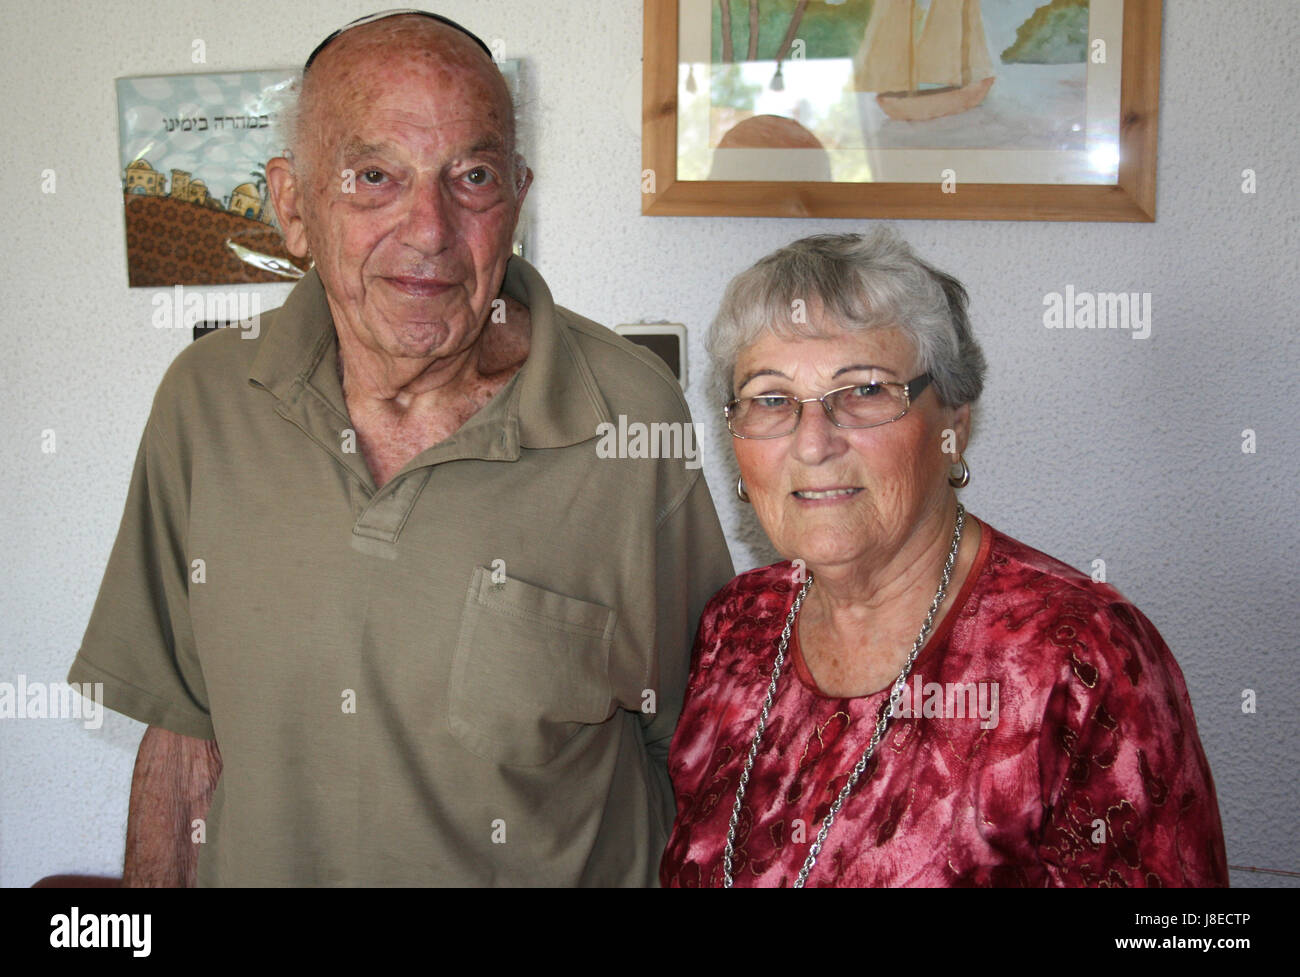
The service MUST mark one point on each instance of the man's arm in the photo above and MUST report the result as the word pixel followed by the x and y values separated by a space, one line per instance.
pixel 692 564
pixel 174 779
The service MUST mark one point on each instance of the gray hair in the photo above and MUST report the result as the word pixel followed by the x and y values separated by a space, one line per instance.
pixel 855 282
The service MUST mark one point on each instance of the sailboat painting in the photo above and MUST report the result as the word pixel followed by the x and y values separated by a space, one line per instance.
pixel 874 85
pixel 952 55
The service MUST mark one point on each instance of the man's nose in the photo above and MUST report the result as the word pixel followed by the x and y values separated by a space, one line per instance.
pixel 430 220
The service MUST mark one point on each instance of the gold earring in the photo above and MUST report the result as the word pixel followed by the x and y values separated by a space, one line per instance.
pixel 740 489
pixel 962 480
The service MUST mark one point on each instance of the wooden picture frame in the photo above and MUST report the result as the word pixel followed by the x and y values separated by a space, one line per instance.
pixel 1130 198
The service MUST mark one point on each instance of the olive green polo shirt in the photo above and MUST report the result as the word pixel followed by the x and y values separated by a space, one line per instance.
pixel 470 676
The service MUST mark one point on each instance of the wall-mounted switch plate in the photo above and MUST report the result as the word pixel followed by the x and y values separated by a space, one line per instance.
pixel 665 339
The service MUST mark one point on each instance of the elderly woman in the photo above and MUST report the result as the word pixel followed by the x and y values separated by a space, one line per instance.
pixel 912 698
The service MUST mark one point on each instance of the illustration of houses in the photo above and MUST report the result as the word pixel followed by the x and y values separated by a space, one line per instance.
pixel 143 179
pixel 185 188
pixel 246 201
pixel 195 199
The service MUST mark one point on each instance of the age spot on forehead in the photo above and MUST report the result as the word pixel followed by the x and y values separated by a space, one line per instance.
pixel 432 97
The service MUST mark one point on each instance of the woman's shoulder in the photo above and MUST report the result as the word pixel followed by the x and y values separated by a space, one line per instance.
pixel 1008 555
pixel 1013 565
pixel 1027 593
pixel 753 604
pixel 760 587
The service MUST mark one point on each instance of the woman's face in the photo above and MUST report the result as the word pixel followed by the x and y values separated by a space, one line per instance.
pixel 838 496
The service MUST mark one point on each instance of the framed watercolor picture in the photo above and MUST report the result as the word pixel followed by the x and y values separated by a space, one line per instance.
pixel 972 109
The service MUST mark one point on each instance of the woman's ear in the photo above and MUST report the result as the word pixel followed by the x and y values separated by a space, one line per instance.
pixel 961 429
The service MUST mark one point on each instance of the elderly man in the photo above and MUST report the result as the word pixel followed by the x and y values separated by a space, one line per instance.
pixel 389 616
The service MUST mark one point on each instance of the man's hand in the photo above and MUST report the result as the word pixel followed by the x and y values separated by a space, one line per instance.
pixel 174 779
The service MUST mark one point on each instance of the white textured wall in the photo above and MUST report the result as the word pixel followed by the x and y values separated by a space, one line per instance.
pixel 1087 444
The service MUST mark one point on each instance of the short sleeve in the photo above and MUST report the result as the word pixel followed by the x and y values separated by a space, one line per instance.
pixel 1129 800
pixel 139 643
pixel 693 563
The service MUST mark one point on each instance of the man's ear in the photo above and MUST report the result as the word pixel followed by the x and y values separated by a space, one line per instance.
pixel 287 193
pixel 523 181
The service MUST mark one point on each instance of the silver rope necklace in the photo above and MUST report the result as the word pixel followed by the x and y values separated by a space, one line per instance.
pixel 886 710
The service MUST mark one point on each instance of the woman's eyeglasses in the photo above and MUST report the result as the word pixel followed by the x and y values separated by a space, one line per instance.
pixel 858 405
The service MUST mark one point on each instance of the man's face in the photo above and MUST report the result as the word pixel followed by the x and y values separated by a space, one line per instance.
pixel 410 201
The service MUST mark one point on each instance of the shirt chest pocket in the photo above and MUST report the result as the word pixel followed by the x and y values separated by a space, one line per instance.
pixel 531 670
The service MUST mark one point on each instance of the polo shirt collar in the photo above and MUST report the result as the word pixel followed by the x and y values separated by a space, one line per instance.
pixel 559 401
pixel 554 400
pixel 291 349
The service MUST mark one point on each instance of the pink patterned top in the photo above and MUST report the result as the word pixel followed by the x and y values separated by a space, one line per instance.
pixel 1046 739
